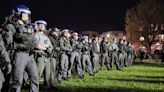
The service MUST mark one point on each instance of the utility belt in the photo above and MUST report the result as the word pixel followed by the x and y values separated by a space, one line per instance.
pixel 104 51
pixel 22 50
pixel 75 50
pixel 96 52
pixel 121 52
pixel 86 53
pixel 65 52
pixel 25 51
pixel 114 50
pixel 39 53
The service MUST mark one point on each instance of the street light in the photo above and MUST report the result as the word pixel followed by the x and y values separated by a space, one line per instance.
pixel 108 35
pixel 142 38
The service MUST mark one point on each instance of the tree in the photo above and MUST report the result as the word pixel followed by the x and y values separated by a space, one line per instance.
pixel 144 20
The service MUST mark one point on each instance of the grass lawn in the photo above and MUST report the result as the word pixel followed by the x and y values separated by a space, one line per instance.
pixel 141 77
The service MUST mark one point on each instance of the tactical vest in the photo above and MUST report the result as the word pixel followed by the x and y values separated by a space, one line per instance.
pixel 24 36
pixel 105 47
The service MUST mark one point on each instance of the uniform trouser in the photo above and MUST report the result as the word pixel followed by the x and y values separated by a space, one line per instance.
pixel 129 61
pixel 86 59
pixel 43 63
pixel 1 82
pixel 125 59
pixel 100 58
pixel 6 83
pixel 105 60
pixel 75 56
pixel 132 60
pixel 53 71
pixel 95 62
pixel 1 79
pixel 64 65
pixel 162 59
pixel 121 59
pixel 115 60
pixel 25 61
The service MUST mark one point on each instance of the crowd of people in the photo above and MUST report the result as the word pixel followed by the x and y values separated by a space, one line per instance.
pixel 30 51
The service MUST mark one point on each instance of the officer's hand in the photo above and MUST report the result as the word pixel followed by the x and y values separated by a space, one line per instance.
pixel 48 50
pixel 9 68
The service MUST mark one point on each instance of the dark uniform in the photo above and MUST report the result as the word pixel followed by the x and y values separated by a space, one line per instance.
pixel 133 55
pixel 43 57
pixel 105 54
pixel 55 59
pixel 65 51
pixel 22 38
pixel 95 55
pixel 125 53
pixel 162 55
pixel 129 54
pixel 75 57
pixel 4 62
pixel 86 58
pixel 121 54
pixel 114 50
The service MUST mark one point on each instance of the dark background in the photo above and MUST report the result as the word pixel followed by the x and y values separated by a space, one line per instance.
pixel 81 15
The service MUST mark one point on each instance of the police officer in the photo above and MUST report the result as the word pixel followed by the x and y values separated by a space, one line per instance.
pixel 86 56
pixel 114 50
pixel 95 54
pixel 19 34
pixel 43 49
pixel 125 52
pixel 5 63
pixel 104 50
pixel 75 55
pixel 66 50
pixel 162 54
pixel 121 53
pixel 133 55
pixel 100 54
pixel 54 38
pixel 129 54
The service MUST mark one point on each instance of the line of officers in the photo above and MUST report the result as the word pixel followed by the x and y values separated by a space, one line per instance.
pixel 29 52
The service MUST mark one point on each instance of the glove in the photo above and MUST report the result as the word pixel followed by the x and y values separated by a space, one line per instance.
pixel 48 51
pixel 9 68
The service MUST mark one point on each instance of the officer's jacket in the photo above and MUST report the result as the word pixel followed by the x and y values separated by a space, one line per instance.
pixel 86 48
pixel 19 35
pixel 125 48
pixel 95 47
pixel 114 47
pixel 129 50
pixel 3 53
pixel 104 47
pixel 4 56
pixel 56 46
pixel 121 48
pixel 42 39
pixel 76 46
pixel 65 45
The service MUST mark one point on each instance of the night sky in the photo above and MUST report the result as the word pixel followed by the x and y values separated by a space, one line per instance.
pixel 80 15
